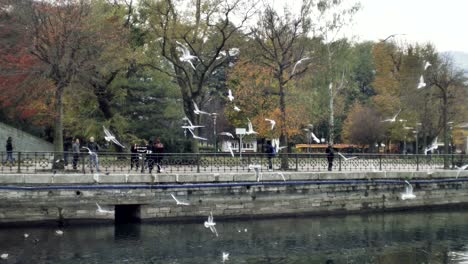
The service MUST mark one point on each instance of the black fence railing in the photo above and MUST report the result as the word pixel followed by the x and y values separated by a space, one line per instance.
pixel 43 162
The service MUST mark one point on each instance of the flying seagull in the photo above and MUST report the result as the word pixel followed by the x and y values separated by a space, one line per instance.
pixel 89 151
pixel 314 137
pixel 421 83
pixel 186 56
pixel 230 150
pixel 110 137
pixel 391 36
pixel 225 256
pixel 256 168
pixel 250 129
pixel 230 97
pixel 460 169
pixel 345 158
pixel 408 194
pixel 237 109
pixel 59 232
pixel 393 119
pixel 272 122
pixel 197 110
pixel 177 200
pixel 96 177
pixel 433 146
pixel 297 63
pixel 4 256
pixel 211 224
pixel 190 126
pixel 103 211
pixel 426 65
pixel 282 175
pixel 226 134
pixel 195 136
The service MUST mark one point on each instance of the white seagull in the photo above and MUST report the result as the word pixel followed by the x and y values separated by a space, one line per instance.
pixel 26 235
pixel 190 126
pixel 272 122
pixel 96 177
pixel 197 110
pixel 225 256
pixel 282 176
pixel 460 169
pixel 177 200
pixel 230 150
pixel 408 194
pixel 226 134
pixel 297 63
pixel 393 119
pixel 186 56
pixel 314 137
pixel 4 256
pixel 421 83
pixel 230 97
pixel 433 146
pixel 103 211
pixel 211 224
pixel 256 168
pixel 237 109
pixel 89 151
pixel 426 65
pixel 110 137
pixel 195 136
pixel 59 232
pixel 250 129
pixel 345 158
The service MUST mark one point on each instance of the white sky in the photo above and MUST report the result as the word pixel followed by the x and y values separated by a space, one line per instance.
pixel 442 23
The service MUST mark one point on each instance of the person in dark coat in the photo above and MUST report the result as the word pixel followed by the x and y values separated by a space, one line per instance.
pixel 134 159
pixel 270 151
pixel 9 150
pixel 330 156
pixel 158 148
pixel 76 153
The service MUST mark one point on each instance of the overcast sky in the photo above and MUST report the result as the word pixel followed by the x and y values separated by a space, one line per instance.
pixel 442 23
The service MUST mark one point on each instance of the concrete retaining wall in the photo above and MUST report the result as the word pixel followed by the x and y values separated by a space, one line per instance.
pixel 69 197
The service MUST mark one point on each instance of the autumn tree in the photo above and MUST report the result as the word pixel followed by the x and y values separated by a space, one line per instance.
pixel 280 41
pixel 363 126
pixel 450 84
pixel 206 31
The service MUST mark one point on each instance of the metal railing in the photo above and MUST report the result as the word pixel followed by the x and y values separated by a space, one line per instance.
pixel 67 162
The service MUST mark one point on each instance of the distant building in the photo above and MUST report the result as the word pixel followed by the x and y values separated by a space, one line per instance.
pixel 460 137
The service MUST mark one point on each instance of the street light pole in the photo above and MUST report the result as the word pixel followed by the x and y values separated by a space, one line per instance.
pixel 214 116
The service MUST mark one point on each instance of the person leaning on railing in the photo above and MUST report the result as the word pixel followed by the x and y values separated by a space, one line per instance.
pixel 93 158
pixel 76 153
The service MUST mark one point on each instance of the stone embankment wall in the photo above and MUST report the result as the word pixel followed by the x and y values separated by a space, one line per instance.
pixel 59 197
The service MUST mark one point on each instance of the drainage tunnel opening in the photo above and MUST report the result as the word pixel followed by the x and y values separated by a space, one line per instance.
pixel 127 213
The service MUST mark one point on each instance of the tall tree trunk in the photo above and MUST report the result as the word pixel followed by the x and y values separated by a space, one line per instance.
pixel 283 135
pixel 58 128
pixel 331 121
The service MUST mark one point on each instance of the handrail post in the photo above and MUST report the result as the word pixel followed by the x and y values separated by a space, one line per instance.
pixel 19 162
pixel 83 161
pixel 297 162
pixel 417 162
pixel 339 163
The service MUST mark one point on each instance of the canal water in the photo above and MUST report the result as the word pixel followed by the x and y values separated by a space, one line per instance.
pixel 409 237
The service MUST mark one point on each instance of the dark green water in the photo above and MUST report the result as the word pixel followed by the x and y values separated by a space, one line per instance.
pixel 419 237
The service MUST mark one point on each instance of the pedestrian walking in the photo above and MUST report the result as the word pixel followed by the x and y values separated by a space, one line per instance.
pixel 270 151
pixel 9 150
pixel 158 148
pixel 330 157
pixel 93 157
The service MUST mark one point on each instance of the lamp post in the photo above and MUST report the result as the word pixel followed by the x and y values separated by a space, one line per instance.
pixel 214 116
